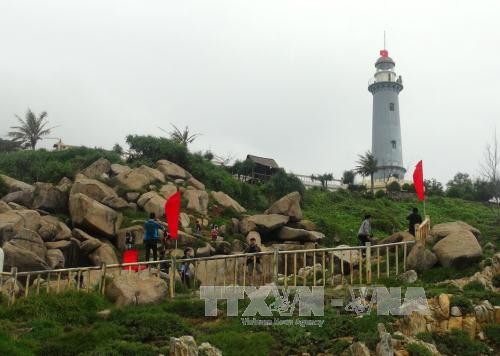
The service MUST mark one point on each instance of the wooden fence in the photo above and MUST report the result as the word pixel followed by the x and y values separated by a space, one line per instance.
pixel 423 230
pixel 316 267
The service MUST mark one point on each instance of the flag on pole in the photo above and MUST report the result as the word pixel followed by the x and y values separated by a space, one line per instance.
pixel 418 180
pixel 172 212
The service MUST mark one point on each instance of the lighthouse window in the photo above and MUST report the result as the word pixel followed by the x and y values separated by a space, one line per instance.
pixel 391 106
pixel 393 143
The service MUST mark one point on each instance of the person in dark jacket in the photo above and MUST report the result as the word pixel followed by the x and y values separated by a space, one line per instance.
pixel 151 236
pixel 413 219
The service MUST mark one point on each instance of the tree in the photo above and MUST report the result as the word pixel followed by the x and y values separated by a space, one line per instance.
pixel 117 149
pixel 8 145
pixel 31 130
pixel 183 137
pixel 491 173
pixel 433 187
pixel 394 186
pixel 367 166
pixel 460 186
pixel 348 177
pixel 323 178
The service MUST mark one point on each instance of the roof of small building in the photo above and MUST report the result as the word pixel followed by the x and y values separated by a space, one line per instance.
pixel 268 162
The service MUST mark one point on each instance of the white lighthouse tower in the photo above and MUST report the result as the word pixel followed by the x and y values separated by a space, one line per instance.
pixel 386 127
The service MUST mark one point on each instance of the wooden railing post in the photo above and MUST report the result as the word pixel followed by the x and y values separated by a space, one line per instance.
pixel 102 284
pixel 275 266
pixel 368 262
pixel 172 277
pixel 12 293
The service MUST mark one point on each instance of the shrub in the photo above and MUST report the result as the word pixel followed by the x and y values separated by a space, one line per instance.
pixel 67 308
pixel 496 281
pixel 379 194
pixel 415 349
pixel 394 187
pixel 492 332
pixel 425 337
pixel 149 149
pixel 463 303
pixel 458 342
pixel 3 188
pixel 282 183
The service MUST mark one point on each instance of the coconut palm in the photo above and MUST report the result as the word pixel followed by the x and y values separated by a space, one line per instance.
pixel 31 129
pixel 367 166
pixel 183 137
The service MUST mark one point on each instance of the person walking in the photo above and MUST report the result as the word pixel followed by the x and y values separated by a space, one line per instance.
pixel 413 219
pixel 365 231
pixel 185 270
pixel 151 236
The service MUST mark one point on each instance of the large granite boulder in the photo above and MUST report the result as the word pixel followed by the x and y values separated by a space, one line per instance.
pixel 442 230
pixel 116 203
pixel 195 183
pixel 289 205
pixel 21 197
pixel 286 233
pixel 197 200
pixel 98 169
pixel 137 288
pixel 420 259
pixel 12 221
pixel 152 202
pixel 65 184
pixel 103 254
pixel 346 257
pixel 245 225
pixel 55 259
pixel 93 216
pixel 70 249
pixel 152 174
pixel 49 198
pixel 268 222
pixel 227 202
pixel 92 188
pixel 30 241
pixel 14 185
pixel 172 170
pixel 119 168
pixel 303 224
pixel 24 260
pixel 136 230
pixel 133 180
pixel 458 249
pixel 51 228
pixel 88 244
pixel 4 207
pixel 168 190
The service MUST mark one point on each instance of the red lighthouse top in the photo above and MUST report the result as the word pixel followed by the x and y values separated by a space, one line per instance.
pixel 384 53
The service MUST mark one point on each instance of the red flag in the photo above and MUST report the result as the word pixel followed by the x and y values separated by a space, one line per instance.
pixel 172 212
pixel 418 180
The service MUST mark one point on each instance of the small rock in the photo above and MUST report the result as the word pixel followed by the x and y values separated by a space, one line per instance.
pixel 408 277
pixel 104 313
pixel 455 311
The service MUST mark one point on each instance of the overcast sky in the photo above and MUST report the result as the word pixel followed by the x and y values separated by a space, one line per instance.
pixel 282 79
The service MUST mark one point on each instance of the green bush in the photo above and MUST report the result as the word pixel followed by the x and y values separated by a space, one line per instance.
pixel 67 308
pixel 492 332
pixel 379 194
pixel 478 292
pixel 463 303
pixel 496 281
pixel 122 348
pixel 425 337
pixel 394 187
pixel 415 349
pixel 282 183
pixel 458 342
pixel 149 324
pixel 3 188
pixel 50 166
pixel 149 149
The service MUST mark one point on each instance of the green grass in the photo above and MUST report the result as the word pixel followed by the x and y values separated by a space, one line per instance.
pixel 340 213
pixel 415 349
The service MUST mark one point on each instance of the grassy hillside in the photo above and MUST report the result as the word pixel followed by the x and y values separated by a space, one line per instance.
pixel 340 214
pixel 68 324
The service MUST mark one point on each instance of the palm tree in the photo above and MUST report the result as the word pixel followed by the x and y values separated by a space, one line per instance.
pixel 31 129
pixel 367 166
pixel 183 137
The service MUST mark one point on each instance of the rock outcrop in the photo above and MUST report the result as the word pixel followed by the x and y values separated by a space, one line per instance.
pixel 440 231
pixel 98 169
pixel 268 222
pixel 289 206
pixel 136 289
pixel 50 198
pixel 172 170
pixel 458 249
pixel 152 202
pixel 227 202
pixel 93 216
pixel 197 200
pixel 420 259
